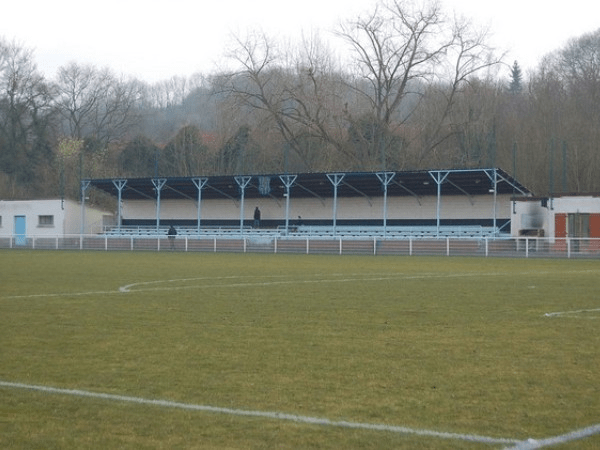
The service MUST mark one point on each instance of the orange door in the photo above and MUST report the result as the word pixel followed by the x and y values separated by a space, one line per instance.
pixel 595 225
pixel 560 225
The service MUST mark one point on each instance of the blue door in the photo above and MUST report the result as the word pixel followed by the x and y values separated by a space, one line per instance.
pixel 20 230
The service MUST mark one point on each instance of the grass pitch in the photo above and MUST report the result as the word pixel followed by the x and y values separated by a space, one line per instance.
pixel 500 348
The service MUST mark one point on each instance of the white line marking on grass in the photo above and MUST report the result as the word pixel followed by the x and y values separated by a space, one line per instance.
pixel 567 313
pixel 263 414
pixel 360 277
pixel 349 278
pixel 61 294
pixel 128 288
pixel 555 440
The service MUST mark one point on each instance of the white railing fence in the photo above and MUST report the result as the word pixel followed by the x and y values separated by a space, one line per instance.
pixel 263 243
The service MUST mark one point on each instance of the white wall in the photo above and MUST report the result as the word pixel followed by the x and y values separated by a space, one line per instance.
pixel 572 204
pixel 530 214
pixel 67 217
pixel 452 207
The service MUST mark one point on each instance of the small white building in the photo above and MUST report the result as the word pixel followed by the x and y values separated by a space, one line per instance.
pixel 23 218
pixel 575 216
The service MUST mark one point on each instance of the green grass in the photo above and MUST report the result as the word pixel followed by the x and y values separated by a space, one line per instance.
pixel 457 345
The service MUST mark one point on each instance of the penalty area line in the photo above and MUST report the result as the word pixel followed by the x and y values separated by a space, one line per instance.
pixel 273 415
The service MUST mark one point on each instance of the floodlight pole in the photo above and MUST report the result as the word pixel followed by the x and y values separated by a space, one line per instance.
pixel 288 181
pixel 199 183
pixel 119 184
pixel 84 185
pixel 335 179
pixel 242 183
pixel 439 178
pixel 386 179
pixel 158 183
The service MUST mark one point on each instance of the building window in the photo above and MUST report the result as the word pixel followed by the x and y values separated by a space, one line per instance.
pixel 46 221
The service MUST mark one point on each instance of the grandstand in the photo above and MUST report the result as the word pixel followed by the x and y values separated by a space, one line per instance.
pixel 471 203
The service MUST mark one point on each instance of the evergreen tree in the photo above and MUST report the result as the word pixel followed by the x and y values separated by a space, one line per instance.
pixel 515 86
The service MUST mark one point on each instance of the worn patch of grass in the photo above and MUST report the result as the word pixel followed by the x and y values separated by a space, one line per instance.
pixel 449 344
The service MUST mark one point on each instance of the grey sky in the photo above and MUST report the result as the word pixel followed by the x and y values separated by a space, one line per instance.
pixel 154 40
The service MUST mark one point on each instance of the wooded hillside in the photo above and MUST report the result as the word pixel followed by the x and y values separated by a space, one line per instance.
pixel 417 89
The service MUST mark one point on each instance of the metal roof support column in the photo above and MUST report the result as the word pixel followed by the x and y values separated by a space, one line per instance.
pixel 386 179
pixel 242 183
pixel 199 183
pixel 439 178
pixel 493 176
pixel 84 185
pixel 495 199
pixel 288 181
pixel 119 184
pixel 335 179
pixel 158 183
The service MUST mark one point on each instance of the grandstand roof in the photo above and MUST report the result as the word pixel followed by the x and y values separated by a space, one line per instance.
pixel 350 184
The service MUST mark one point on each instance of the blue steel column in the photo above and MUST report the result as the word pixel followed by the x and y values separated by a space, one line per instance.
pixel 386 179
pixel 288 181
pixel 84 185
pixel 335 179
pixel 439 179
pixel 494 179
pixel 242 183
pixel 119 184
pixel 158 185
pixel 199 183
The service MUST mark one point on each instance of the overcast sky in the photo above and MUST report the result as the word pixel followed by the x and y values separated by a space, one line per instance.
pixel 155 40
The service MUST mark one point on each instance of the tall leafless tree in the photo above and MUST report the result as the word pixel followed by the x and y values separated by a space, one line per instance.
pixel 95 104
pixel 25 115
pixel 400 48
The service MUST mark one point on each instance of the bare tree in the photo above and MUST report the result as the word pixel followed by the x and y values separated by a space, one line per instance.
pixel 295 91
pixel 95 104
pixel 185 154
pixel 566 92
pixel 400 48
pixel 25 115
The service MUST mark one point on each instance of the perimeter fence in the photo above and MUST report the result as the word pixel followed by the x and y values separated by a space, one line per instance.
pixel 525 247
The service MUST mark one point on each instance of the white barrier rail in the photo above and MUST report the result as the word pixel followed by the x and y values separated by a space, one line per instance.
pixel 263 243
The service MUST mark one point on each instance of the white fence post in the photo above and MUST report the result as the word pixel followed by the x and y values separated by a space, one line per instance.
pixel 543 247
